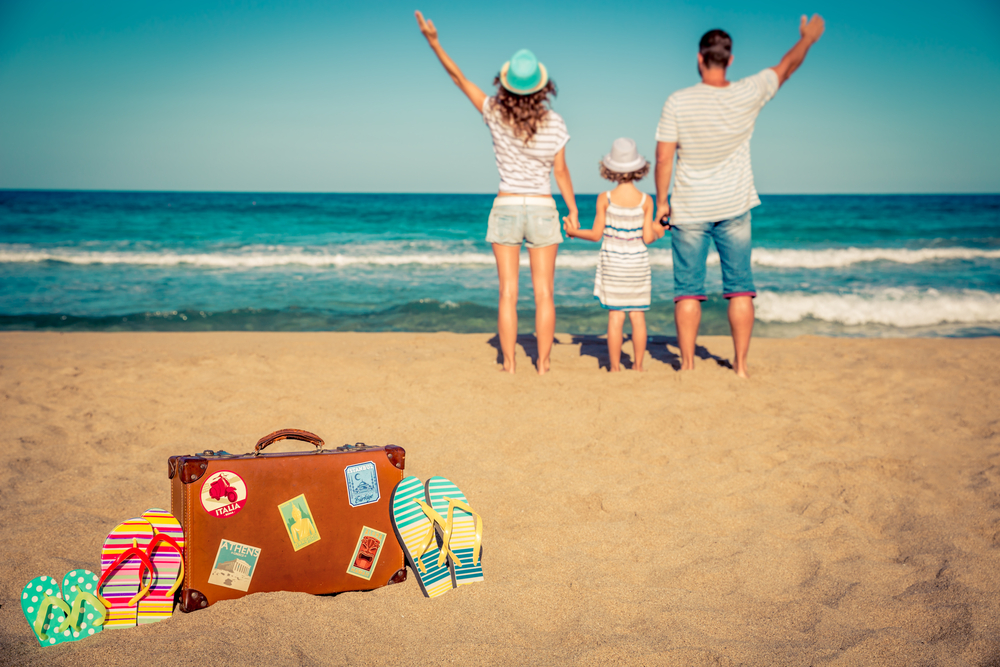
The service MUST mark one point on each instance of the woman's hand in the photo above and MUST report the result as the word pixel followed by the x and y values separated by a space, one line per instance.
pixel 570 224
pixel 427 28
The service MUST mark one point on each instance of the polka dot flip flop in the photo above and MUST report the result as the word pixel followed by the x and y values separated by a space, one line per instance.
pixel 55 617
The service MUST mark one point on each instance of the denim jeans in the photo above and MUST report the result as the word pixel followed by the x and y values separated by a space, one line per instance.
pixel 690 242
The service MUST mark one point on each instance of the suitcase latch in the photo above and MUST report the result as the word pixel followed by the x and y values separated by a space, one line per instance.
pixel 352 448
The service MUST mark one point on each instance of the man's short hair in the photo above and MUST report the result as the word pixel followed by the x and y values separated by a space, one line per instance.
pixel 716 48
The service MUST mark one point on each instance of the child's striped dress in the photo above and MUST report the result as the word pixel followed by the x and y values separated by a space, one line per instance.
pixel 623 277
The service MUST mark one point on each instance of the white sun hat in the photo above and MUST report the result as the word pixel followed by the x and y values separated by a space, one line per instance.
pixel 624 157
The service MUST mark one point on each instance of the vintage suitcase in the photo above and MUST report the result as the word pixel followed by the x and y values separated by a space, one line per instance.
pixel 314 522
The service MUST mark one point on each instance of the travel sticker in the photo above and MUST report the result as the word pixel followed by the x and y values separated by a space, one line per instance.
pixel 298 521
pixel 362 484
pixel 234 565
pixel 366 553
pixel 224 493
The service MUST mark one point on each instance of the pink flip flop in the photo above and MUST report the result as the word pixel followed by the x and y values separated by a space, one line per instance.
pixel 166 554
pixel 123 565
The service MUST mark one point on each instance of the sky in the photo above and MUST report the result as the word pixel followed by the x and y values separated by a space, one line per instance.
pixel 897 97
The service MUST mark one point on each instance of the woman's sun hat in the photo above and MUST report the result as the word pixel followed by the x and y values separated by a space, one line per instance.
pixel 523 74
pixel 624 157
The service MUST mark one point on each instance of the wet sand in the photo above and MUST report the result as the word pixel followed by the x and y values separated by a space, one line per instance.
pixel 840 508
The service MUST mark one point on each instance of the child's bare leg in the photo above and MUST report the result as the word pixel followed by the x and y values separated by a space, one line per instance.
pixel 616 321
pixel 638 320
pixel 543 272
pixel 508 264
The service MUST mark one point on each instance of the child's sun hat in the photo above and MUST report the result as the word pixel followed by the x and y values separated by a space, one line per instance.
pixel 523 74
pixel 624 157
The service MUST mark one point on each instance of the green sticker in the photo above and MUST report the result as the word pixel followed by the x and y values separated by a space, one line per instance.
pixel 298 521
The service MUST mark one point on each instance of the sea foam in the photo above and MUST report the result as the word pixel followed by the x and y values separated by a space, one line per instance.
pixel 573 259
pixel 893 307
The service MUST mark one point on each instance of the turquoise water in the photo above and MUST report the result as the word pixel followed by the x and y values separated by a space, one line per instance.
pixel 832 265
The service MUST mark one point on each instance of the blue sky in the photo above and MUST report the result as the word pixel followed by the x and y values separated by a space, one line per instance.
pixel 347 97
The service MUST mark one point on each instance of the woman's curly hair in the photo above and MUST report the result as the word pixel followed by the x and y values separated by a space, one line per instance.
pixel 524 113
pixel 624 177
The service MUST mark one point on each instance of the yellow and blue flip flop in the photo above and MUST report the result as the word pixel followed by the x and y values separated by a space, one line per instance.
pixel 462 529
pixel 413 522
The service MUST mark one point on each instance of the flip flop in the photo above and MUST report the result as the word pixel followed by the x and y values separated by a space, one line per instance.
pixel 123 564
pixel 56 616
pixel 87 613
pixel 45 610
pixel 414 529
pixel 462 529
pixel 165 553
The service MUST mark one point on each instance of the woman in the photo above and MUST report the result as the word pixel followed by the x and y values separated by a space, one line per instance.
pixel 529 141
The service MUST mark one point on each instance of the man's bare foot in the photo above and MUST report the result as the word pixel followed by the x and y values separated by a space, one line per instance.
pixel 543 366
pixel 508 367
pixel 614 369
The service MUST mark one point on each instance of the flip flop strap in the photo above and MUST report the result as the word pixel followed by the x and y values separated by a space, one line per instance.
pixel 478 543
pixel 78 608
pixel 43 610
pixel 124 556
pixel 433 515
pixel 163 537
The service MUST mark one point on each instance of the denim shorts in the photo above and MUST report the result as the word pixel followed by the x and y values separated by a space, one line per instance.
pixel 510 224
pixel 690 242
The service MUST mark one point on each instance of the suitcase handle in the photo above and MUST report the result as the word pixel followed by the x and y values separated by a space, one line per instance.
pixel 288 434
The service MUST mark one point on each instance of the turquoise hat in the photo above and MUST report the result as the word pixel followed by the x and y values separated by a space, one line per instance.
pixel 523 74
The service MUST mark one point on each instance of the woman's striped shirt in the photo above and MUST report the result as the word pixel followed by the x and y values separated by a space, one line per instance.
pixel 712 128
pixel 525 168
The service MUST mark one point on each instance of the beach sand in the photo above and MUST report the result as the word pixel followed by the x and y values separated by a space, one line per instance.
pixel 840 508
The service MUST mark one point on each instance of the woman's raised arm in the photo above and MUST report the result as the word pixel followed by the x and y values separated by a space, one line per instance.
pixel 471 90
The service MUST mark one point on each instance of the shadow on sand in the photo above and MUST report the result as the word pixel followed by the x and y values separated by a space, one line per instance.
pixel 658 348
pixel 526 341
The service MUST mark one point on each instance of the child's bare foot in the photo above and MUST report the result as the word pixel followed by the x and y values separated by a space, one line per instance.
pixel 614 369
pixel 637 367
pixel 741 371
pixel 543 366
pixel 508 367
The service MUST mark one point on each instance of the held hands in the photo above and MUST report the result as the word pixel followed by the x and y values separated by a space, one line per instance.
pixel 663 211
pixel 431 33
pixel 812 29
pixel 571 223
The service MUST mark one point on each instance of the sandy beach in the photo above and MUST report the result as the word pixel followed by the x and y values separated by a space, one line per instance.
pixel 840 508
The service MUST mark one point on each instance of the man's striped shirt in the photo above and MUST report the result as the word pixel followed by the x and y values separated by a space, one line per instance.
pixel 525 168
pixel 712 128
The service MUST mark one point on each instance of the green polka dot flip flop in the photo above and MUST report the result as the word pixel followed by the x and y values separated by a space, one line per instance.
pixel 56 617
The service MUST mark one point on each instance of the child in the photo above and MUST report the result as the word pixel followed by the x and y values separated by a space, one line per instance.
pixel 624 224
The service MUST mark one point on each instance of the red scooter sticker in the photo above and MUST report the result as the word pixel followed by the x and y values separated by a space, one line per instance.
pixel 224 493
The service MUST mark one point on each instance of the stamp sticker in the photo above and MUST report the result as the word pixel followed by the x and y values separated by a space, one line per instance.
pixel 298 521
pixel 362 484
pixel 366 553
pixel 234 565
pixel 224 493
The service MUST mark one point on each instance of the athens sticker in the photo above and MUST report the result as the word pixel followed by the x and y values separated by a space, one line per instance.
pixel 224 493
pixel 366 553
pixel 298 520
pixel 362 484
pixel 234 565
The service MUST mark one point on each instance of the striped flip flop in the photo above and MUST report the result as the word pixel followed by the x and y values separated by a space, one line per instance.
pixel 462 530
pixel 414 528
pixel 165 553
pixel 123 566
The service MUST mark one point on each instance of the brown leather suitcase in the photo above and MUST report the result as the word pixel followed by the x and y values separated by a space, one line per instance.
pixel 315 522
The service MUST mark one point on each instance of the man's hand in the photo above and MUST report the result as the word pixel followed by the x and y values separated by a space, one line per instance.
pixel 810 30
pixel 662 211
pixel 431 33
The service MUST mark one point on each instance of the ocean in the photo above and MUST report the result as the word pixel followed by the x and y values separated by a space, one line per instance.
pixel 838 265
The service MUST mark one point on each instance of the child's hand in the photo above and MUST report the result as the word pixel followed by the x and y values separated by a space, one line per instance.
pixel 570 224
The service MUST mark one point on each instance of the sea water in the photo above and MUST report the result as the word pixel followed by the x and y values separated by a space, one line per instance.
pixel 832 265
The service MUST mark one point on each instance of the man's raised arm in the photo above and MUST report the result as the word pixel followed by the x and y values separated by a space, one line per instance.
pixel 810 32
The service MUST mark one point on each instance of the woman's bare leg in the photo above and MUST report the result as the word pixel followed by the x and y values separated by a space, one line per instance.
pixel 543 274
pixel 508 265
pixel 638 320
pixel 616 320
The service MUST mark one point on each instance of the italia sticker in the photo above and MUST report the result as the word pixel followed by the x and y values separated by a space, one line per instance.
pixel 362 484
pixel 224 493
pixel 366 553
pixel 234 565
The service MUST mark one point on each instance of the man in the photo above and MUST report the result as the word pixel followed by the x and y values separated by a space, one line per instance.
pixel 709 127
